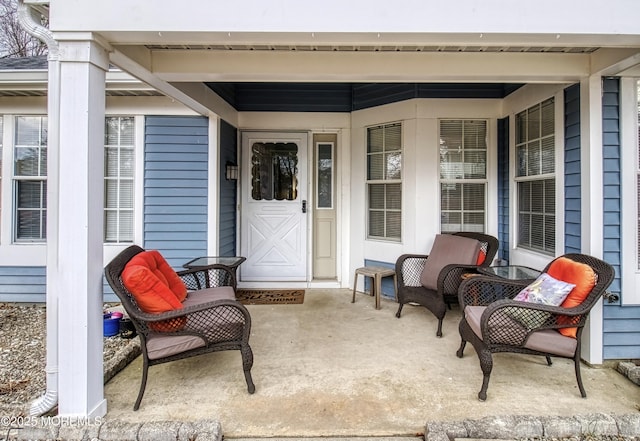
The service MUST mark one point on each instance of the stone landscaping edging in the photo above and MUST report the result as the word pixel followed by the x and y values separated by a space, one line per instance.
pixel 49 429
pixel 630 370
pixel 528 427
pixel 121 359
pixel 516 427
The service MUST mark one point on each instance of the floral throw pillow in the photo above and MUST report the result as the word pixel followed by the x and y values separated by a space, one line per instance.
pixel 544 290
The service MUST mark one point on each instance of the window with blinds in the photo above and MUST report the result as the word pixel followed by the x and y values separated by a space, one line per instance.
pixel 118 179
pixel 384 182
pixel 535 177
pixel 30 179
pixel 463 175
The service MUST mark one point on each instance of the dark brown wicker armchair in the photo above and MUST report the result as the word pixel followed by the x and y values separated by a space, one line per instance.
pixel 493 322
pixel 208 322
pixel 410 290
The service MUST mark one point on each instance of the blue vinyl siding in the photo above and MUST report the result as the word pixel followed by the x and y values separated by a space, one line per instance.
pixel 228 191
pixel 503 188
pixel 23 284
pixel 572 188
pixel 176 187
pixel 388 290
pixel 621 323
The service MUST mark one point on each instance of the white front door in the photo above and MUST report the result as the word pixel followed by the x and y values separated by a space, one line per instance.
pixel 274 206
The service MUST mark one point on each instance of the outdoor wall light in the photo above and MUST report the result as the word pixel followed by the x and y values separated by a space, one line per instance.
pixel 231 171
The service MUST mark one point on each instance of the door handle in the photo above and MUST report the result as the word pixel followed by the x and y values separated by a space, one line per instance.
pixel 304 206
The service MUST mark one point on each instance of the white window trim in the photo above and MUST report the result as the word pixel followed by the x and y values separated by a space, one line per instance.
pixel 17 179
pixel 521 256
pixel 630 274
pixel 489 160
pixel 400 181
pixel 119 179
pixel 34 254
pixel 23 253
pixel 111 250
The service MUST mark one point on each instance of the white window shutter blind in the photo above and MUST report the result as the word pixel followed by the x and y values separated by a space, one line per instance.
pixel 119 188
pixel 535 180
pixel 384 186
pixel 463 175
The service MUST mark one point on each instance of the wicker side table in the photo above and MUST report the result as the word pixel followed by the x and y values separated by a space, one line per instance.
pixel 376 273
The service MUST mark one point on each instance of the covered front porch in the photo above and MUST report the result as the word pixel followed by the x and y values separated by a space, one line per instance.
pixel 328 367
pixel 181 52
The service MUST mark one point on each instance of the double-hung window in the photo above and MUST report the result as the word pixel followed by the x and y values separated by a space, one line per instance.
pixel 384 182
pixel 463 175
pixel 30 179
pixel 535 178
pixel 118 179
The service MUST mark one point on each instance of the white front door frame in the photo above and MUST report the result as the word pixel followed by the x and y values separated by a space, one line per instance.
pixel 274 233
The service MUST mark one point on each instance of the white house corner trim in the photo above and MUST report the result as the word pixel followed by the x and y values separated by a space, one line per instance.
pixel 213 194
pixel 630 275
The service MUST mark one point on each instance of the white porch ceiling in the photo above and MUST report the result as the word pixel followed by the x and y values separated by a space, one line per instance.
pixel 374 48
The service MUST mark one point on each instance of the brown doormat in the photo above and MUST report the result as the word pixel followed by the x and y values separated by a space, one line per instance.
pixel 270 296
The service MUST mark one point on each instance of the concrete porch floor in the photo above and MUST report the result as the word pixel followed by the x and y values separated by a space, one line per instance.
pixel 332 368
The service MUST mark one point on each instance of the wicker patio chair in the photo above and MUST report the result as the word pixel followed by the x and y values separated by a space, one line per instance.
pixel 210 319
pixel 409 268
pixel 493 322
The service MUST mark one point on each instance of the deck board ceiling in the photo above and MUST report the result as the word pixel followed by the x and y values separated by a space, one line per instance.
pixel 380 48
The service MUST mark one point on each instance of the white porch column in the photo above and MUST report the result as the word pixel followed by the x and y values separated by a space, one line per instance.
pixel 592 217
pixel 213 238
pixel 79 229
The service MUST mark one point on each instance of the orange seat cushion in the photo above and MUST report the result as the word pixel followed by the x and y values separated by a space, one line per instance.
pixel 579 274
pixel 156 287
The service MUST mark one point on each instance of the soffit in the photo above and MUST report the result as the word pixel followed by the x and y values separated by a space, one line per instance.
pixel 376 48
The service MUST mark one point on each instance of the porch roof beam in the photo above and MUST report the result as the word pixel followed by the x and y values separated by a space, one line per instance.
pixel 291 66
pixel 139 71
pixel 615 61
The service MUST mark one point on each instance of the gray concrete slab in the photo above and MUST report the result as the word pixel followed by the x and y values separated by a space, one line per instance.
pixel 330 368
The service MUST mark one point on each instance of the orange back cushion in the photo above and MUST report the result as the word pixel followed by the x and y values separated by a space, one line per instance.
pixel 156 287
pixel 579 274
pixel 482 254
pixel 160 268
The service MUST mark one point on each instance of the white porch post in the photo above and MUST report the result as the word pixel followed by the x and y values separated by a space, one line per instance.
pixel 79 231
pixel 213 238
pixel 591 160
